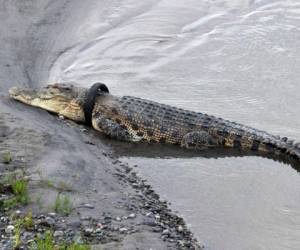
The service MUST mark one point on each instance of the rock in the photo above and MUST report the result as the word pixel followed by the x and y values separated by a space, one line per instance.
pixel 58 234
pixel 107 219
pixel 123 230
pixel 52 214
pixel 7 244
pixel 88 231
pixel 3 219
pixel 9 229
pixel 149 214
pixel 87 205
pixel 166 232
pixel 49 221
pixel 132 216
pixel 118 218
pixel 17 212
pixel 150 222
pixel 99 225
pixel 75 224
pixel 180 228
pixel 61 226
pixel 181 243
pixel 26 235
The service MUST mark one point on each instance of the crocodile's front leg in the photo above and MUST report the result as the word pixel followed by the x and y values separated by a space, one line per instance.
pixel 198 140
pixel 111 128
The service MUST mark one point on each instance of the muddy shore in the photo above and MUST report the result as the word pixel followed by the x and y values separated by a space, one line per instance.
pixel 109 206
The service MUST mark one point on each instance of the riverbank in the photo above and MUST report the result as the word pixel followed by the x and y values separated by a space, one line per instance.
pixel 76 189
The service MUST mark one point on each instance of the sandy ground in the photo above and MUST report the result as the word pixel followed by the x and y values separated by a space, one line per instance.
pixel 103 191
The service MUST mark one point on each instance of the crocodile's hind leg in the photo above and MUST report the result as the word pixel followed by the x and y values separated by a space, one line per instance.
pixel 198 140
pixel 111 128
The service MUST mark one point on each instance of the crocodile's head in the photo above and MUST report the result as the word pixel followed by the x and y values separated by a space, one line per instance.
pixel 65 100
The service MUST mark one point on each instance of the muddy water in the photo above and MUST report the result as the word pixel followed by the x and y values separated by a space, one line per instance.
pixel 238 59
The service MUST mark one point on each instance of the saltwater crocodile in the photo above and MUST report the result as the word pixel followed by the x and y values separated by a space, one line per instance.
pixel 130 118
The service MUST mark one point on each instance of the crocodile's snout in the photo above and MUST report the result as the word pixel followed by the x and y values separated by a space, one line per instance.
pixel 14 91
pixel 56 98
pixel 22 94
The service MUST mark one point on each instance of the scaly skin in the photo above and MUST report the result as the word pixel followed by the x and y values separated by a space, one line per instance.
pixel 134 119
pixel 154 122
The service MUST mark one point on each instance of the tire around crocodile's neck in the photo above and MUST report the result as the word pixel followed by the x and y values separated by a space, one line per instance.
pixel 95 90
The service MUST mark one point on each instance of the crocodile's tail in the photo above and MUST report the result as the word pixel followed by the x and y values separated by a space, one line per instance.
pixel 281 147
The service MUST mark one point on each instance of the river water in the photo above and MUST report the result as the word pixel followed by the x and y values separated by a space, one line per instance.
pixel 237 59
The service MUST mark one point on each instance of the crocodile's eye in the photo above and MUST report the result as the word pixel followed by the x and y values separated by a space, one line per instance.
pixel 59 86
pixel 65 87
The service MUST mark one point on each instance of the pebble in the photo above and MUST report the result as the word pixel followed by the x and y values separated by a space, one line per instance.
pixel 9 229
pixel 26 235
pixel 58 234
pixel 61 117
pixel 87 205
pixel 74 224
pixel 49 221
pixel 99 225
pixel 180 228
pixel 52 214
pixel 166 232
pixel 149 214
pixel 181 243
pixel 88 230
pixel 118 218
pixel 123 230
pixel 107 219
pixel 150 222
pixel 132 216
pixel 157 216
pixel 3 219
pixel 62 225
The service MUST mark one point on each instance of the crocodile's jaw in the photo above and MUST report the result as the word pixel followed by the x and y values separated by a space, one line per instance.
pixel 58 99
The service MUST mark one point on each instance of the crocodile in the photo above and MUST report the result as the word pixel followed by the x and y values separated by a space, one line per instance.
pixel 134 119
